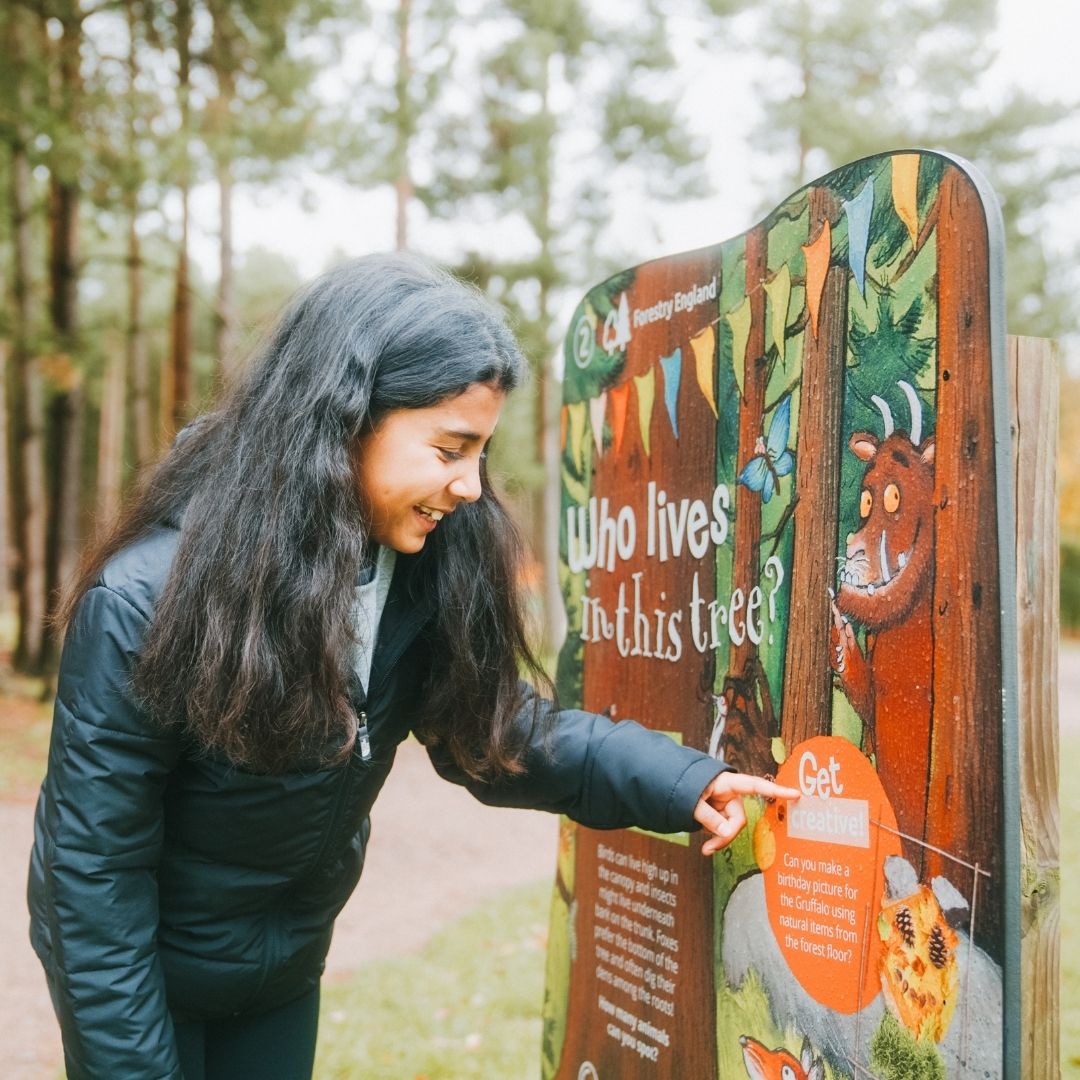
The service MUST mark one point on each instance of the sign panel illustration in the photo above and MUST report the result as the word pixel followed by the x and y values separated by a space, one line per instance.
pixel 783 481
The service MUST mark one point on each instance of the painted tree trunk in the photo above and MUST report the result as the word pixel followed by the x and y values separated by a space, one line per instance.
pixel 807 712
pixel 964 806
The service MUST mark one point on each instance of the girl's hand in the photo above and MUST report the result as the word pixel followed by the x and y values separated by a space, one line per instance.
pixel 720 808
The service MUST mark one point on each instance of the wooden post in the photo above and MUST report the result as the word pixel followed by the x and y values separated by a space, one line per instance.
pixel 1033 402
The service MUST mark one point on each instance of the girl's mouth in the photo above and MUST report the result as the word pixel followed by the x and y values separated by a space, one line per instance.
pixel 429 516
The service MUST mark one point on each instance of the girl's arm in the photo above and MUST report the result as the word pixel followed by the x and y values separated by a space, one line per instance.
pixel 601 774
pixel 98 836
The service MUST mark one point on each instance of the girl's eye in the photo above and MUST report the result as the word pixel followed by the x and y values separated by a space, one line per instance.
pixel 451 455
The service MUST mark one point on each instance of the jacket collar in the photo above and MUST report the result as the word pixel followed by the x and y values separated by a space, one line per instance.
pixel 407 609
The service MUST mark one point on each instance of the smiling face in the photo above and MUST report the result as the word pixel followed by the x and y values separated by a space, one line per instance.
pixel 420 464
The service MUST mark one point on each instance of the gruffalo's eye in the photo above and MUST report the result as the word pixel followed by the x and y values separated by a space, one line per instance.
pixel 891 500
pixel 865 503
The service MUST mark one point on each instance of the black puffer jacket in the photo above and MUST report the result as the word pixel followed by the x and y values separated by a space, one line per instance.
pixel 166 883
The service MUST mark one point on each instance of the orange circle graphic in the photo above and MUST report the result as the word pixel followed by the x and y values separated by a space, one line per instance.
pixel 824 875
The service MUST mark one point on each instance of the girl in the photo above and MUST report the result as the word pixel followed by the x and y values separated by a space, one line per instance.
pixel 316 569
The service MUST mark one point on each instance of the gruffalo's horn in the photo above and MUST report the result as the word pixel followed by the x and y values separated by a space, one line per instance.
pixel 915 431
pixel 886 413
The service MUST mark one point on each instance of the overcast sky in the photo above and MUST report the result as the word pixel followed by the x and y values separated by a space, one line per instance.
pixel 1037 50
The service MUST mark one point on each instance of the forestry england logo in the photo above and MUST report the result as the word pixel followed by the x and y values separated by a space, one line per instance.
pixel 617 327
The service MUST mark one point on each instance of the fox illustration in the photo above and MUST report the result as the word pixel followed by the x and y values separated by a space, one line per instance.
pixel 779 1064
pixel 886 584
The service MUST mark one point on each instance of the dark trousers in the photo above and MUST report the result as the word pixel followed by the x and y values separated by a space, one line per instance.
pixel 274 1045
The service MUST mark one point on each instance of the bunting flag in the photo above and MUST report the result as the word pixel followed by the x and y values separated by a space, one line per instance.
pixel 562 428
pixel 646 394
pixel 739 321
pixel 577 430
pixel 905 192
pixel 779 293
pixel 858 212
pixel 817 255
pixel 620 397
pixel 597 409
pixel 672 368
pixel 704 347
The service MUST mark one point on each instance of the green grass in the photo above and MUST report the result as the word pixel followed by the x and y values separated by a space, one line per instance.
pixel 1070 905
pixel 465 1008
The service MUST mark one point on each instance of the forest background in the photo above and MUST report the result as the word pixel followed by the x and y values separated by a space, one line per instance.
pixel 170 170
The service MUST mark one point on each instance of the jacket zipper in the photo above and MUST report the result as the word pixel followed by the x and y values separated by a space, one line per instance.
pixel 362 737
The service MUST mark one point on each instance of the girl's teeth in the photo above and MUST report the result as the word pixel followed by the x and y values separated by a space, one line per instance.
pixel 435 515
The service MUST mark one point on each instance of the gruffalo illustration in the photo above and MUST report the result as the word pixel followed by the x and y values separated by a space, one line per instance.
pixel 885 585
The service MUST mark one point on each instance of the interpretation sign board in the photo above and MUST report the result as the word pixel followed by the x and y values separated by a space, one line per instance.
pixel 785 536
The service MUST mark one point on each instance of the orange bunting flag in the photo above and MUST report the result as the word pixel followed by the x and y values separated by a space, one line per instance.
pixel 562 428
pixel 739 321
pixel 817 255
pixel 597 408
pixel 704 346
pixel 905 192
pixel 577 433
pixel 779 293
pixel 620 397
pixel 646 394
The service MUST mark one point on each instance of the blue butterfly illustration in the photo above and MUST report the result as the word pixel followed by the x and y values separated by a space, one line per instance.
pixel 772 459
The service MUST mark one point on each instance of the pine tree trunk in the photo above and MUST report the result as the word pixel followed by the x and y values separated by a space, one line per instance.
pixel 66 416
pixel 110 443
pixel 180 352
pixel 29 474
pixel 547 500
pixel 66 411
pixel 403 184
pixel 226 298
pixel 137 363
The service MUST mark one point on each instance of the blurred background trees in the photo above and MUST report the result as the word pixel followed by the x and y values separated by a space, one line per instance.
pixel 527 143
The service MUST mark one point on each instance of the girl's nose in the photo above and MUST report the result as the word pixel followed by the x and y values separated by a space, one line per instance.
pixel 466 485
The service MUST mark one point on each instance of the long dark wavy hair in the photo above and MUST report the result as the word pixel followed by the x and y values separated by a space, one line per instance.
pixel 251 642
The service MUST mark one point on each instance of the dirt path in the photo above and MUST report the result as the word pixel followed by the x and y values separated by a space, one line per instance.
pixel 435 854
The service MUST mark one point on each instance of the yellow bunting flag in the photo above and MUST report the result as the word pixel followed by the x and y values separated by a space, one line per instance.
pixel 646 393
pixel 620 396
pixel 577 432
pixel 817 269
pixel 905 192
pixel 779 293
pixel 597 409
pixel 704 346
pixel 739 321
